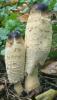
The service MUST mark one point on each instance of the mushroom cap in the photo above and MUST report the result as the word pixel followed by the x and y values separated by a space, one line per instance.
pixel 14 34
pixel 42 7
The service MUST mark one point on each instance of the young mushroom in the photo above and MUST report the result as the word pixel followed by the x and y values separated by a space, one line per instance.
pixel 15 60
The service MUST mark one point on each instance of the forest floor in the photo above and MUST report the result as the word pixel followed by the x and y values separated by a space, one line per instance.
pixel 6 89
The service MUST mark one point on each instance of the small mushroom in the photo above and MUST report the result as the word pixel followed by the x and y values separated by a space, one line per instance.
pixel 25 5
pixel 19 8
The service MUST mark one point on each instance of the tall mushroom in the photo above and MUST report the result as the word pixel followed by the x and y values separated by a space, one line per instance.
pixel 38 39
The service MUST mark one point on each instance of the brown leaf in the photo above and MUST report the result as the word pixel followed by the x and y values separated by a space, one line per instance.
pixel 24 17
pixel 1 87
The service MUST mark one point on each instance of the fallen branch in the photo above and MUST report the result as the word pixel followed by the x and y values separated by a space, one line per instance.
pixel 48 95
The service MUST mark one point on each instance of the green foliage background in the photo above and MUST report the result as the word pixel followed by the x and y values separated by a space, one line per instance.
pixel 9 22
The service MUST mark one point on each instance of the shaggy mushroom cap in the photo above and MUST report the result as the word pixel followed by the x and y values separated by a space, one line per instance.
pixel 14 34
pixel 42 7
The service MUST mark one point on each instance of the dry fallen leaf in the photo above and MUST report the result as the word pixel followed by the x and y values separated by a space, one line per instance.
pixel 50 68
pixel 24 17
pixel 14 0
pixel 1 87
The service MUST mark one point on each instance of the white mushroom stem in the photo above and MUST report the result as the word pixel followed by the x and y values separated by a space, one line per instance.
pixel 18 88
pixel 32 81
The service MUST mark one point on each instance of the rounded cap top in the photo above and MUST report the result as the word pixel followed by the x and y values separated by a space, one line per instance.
pixel 42 7
pixel 14 34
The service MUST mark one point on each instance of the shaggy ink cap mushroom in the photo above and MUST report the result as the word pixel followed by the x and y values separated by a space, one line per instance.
pixel 42 7
pixel 15 34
